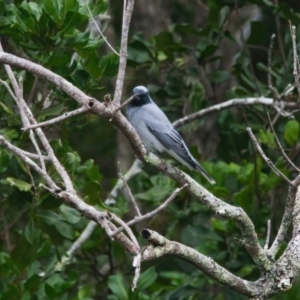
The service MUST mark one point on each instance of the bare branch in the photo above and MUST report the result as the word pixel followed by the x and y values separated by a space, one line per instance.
pixel 129 191
pixel 285 223
pixel 218 206
pixel 137 266
pixel 153 212
pixel 127 12
pixel 234 103
pixel 272 88
pixel 42 72
pixel 160 246
pixel 266 247
pixel 99 217
pixel 20 153
pixel 296 60
pixel 265 158
pixel 9 89
pixel 237 214
pixel 126 227
pixel 124 104
pixel 65 116
pixel 34 156
pixel 87 232
pixel 102 35
pixel 18 97
pixel 280 146
pixel 133 170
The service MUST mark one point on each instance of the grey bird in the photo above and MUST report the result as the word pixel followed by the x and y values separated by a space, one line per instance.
pixel 156 131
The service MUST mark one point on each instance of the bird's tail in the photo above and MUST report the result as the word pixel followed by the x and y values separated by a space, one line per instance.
pixel 199 168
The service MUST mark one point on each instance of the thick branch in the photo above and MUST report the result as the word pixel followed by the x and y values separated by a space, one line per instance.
pixel 160 246
pixel 218 206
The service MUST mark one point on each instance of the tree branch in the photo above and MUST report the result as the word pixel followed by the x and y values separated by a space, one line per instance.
pixel 152 213
pixel 105 110
pixel 127 12
pixel 65 116
pixel 20 153
pixel 87 232
pixel 280 146
pixel 129 191
pixel 265 158
pixel 234 103
pixel 160 246
pixel 285 223
pixel 296 60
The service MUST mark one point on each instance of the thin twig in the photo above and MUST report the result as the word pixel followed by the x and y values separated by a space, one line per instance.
pixel 32 91
pixel 266 247
pixel 33 155
pixel 295 59
pixel 280 40
pixel 27 160
pixel 65 116
pixel 126 228
pixel 133 170
pixel 29 118
pixel 153 212
pixel 265 158
pixel 87 232
pixel 233 103
pixel 9 90
pixel 102 35
pixel 280 146
pixel 129 191
pixel 18 97
pixel 124 104
pixel 272 88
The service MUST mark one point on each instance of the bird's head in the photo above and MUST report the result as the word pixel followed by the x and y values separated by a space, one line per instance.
pixel 141 96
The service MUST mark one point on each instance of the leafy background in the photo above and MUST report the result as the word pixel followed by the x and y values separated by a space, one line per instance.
pixel 190 55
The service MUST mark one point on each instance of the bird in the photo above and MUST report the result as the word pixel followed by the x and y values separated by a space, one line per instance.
pixel 157 132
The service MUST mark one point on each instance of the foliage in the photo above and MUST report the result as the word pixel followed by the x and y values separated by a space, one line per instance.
pixel 36 229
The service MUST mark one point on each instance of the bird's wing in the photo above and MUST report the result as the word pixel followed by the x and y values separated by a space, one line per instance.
pixel 170 139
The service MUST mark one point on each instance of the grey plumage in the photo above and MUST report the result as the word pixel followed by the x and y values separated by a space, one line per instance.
pixel 157 132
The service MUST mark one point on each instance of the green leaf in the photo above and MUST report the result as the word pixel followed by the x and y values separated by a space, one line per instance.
pixel 70 214
pixel 9 133
pixel 52 111
pixel 92 191
pixel 54 9
pixel 6 109
pixel 220 224
pixel 155 194
pixel 291 132
pixel 218 76
pixel 146 279
pixel 117 286
pixel 197 95
pixel 94 174
pixel 266 137
pixel 21 185
pixel 65 230
pixel 30 232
